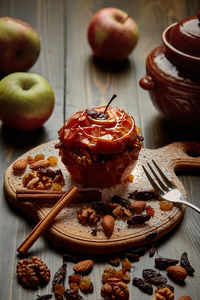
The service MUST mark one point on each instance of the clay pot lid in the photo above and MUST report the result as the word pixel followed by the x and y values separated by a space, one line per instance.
pixel 185 35
pixel 161 67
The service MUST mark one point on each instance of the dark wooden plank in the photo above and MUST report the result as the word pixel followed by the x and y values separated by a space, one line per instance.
pixel 47 18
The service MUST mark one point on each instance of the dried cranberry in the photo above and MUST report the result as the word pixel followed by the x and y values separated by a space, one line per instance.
pixel 154 277
pixel 119 200
pixel 143 285
pixel 138 219
pixel 186 264
pixel 163 263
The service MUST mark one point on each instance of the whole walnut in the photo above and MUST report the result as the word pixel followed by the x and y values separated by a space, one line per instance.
pixel 32 272
pixel 115 289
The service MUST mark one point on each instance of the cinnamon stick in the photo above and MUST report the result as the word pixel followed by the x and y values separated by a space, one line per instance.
pixel 26 195
pixel 47 220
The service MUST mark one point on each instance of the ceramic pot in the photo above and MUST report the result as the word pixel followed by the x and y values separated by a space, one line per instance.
pixel 173 72
pixel 176 94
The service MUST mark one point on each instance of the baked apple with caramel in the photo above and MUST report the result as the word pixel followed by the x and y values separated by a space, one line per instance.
pixel 99 146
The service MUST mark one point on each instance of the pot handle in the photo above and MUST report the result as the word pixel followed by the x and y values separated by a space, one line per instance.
pixel 147 83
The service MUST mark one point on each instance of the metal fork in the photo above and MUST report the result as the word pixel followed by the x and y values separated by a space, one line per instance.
pixel 167 190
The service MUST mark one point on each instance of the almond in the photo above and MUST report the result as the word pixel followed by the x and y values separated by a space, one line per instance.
pixel 185 297
pixel 19 166
pixel 177 272
pixel 108 223
pixel 137 206
pixel 83 266
pixel 42 163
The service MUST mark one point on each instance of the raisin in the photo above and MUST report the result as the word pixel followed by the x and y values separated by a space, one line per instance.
pixel 71 295
pixel 138 219
pixel 69 258
pixel 59 276
pixel 44 297
pixel 163 263
pixel 152 250
pixel 153 277
pixel 102 208
pixel 165 205
pixel 49 173
pixel 151 236
pixel 143 195
pixel 184 262
pixel 126 264
pixel 140 251
pixel 143 285
pixel 85 284
pixel 121 201
pixel 94 232
pixel 114 260
pixel 133 257
pixel 165 285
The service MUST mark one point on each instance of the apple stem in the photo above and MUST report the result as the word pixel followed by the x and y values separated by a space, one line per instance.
pixel 113 97
pixel 126 17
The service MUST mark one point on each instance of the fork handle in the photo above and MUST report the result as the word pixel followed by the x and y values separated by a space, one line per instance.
pixel 192 206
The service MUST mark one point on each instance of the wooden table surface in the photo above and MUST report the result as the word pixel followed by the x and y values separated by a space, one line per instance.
pixel 79 81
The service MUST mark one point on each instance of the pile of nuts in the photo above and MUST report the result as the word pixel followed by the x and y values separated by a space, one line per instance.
pixel 40 176
pixel 33 272
pixel 133 212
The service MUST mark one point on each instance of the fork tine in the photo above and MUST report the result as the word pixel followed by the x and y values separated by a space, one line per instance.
pixel 154 185
pixel 169 184
pixel 158 179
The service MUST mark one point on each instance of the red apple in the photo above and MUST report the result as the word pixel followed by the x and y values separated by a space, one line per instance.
pixel 112 34
pixel 26 100
pixel 19 45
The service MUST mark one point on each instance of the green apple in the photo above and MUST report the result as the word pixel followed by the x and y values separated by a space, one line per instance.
pixel 19 45
pixel 26 100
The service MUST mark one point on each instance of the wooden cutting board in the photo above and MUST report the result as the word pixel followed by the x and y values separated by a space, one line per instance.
pixel 67 232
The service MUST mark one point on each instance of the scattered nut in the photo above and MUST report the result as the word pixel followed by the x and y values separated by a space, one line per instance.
pixel 83 266
pixel 19 166
pixel 177 272
pixel 108 223
pixel 87 215
pixel 43 163
pixel 137 206
pixel 32 272
pixel 115 289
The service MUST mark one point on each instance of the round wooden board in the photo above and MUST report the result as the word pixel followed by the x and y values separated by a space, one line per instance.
pixel 67 232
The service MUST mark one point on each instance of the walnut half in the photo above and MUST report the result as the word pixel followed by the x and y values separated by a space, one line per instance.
pixel 115 289
pixel 32 272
